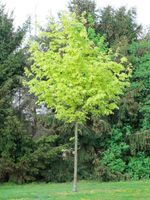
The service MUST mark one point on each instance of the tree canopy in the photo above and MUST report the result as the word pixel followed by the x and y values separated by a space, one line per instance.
pixel 73 76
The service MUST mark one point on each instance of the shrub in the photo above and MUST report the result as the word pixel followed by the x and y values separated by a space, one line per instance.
pixel 139 167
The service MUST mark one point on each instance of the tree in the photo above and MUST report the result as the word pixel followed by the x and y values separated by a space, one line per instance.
pixel 81 6
pixel 12 61
pixel 140 58
pixel 141 78
pixel 74 77
pixel 119 26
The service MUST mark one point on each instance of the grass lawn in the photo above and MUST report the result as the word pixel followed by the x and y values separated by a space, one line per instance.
pixel 139 190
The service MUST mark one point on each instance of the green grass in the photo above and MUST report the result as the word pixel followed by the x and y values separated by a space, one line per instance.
pixel 139 190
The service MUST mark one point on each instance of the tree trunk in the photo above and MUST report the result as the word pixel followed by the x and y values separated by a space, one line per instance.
pixel 75 159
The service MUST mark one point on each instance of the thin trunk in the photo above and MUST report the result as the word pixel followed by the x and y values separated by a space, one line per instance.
pixel 75 159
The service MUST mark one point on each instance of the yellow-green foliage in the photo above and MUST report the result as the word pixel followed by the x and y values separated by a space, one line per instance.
pixel 72 75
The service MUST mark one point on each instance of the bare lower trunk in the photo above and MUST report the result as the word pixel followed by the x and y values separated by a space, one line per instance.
pixel 75 159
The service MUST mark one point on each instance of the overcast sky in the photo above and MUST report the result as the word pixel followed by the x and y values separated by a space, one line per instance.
pixel 43 8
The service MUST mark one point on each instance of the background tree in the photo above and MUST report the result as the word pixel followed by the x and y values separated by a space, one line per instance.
pixel 117 25
pixel 88 7
pixel 75 82
pixel 140 57
pixel 12 61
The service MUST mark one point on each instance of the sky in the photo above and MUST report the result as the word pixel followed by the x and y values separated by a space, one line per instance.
pixel 44 8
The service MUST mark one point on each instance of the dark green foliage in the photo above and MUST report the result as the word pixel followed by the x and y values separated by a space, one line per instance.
pixel 117 163
pixel 119 26
pixel 86 7
pixel 15 147
pixel 11 57
pixel 140 141
pixel 23 159
pixel 112 162
pixel 12 61
pixel 140 57
pixel 46 154
pixel 13 140
pixel 135 108
pixel 139 167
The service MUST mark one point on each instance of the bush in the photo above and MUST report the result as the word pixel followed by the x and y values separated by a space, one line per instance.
pixel 112 164
pixel 15 148
pixel 139 167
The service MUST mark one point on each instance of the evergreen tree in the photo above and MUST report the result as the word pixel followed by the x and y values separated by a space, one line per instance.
pixel 119 26
pixel 81 6
pixel 12 61
pixel 86 8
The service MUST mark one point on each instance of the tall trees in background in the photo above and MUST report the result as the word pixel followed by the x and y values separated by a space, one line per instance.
pixel 140 89
pixel 86 7
pixel 117 25
pixel 12 61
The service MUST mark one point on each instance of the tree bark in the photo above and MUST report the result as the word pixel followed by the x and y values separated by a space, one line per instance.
pixel 75 159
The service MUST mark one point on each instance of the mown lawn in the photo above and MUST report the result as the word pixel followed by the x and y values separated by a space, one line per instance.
pixel 139 190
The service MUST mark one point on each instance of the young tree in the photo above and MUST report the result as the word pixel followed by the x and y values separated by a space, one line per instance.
pixel 74 77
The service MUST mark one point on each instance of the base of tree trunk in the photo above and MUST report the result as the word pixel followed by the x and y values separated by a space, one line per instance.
pixel 75 159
